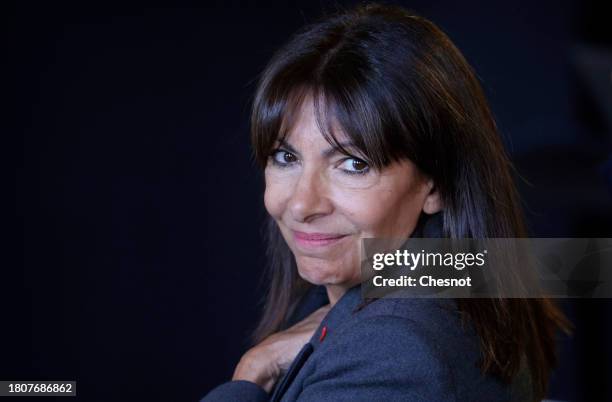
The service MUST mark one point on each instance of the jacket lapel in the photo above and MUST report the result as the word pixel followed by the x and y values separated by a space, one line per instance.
pixel 334 317
pixel 295 367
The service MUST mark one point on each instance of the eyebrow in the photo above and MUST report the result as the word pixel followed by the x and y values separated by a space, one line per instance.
pixel 327 153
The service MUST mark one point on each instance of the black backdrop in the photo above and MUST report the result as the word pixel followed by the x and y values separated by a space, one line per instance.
pixel 139 206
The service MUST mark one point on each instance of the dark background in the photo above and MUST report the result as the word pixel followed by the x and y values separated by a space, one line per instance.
pixel 138 206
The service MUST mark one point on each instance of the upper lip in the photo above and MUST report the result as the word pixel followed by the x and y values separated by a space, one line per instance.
pixel 316 236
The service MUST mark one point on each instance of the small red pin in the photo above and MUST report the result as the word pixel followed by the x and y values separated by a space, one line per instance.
pixel 323 333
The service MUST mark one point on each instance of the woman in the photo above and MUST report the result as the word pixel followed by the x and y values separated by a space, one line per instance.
pixel 371 123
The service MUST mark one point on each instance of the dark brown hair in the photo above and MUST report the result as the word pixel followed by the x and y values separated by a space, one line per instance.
pixel 400 89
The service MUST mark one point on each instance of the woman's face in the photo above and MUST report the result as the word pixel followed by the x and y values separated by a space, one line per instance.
pixel 325 202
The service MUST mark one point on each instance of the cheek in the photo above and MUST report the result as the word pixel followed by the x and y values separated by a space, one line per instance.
pixel 382 213
pixel 271 201
pixel 362 208
pixel 275 195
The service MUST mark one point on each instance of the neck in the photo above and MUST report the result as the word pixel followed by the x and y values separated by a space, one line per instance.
pixel 334 293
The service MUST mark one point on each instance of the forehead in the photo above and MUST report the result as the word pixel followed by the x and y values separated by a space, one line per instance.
pixel 306 127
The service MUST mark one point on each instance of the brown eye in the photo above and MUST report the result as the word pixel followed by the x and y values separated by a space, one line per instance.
pixel 289 157
pixel 283 158
pixel 354 166
pixel 359 165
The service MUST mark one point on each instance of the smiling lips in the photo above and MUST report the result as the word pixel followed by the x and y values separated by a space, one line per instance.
pixel 316 239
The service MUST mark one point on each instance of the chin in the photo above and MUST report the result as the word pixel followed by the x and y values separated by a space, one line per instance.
pixel 318 273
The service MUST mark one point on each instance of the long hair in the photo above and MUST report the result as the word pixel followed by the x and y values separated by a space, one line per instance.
pixel 400 89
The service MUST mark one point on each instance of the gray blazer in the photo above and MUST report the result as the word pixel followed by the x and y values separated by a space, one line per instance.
pixel 390 350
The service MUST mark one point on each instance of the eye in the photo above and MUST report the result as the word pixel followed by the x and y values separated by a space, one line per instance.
pixel 354 166
pixel 283 158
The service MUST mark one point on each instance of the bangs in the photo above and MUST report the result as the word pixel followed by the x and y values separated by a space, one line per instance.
pixel 337 110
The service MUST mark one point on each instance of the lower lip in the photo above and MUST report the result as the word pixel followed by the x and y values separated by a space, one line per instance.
pixel 311 243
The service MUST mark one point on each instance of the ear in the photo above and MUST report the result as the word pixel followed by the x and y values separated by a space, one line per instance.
pixel 433 202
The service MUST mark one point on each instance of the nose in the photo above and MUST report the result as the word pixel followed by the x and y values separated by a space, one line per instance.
pixel 309 199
